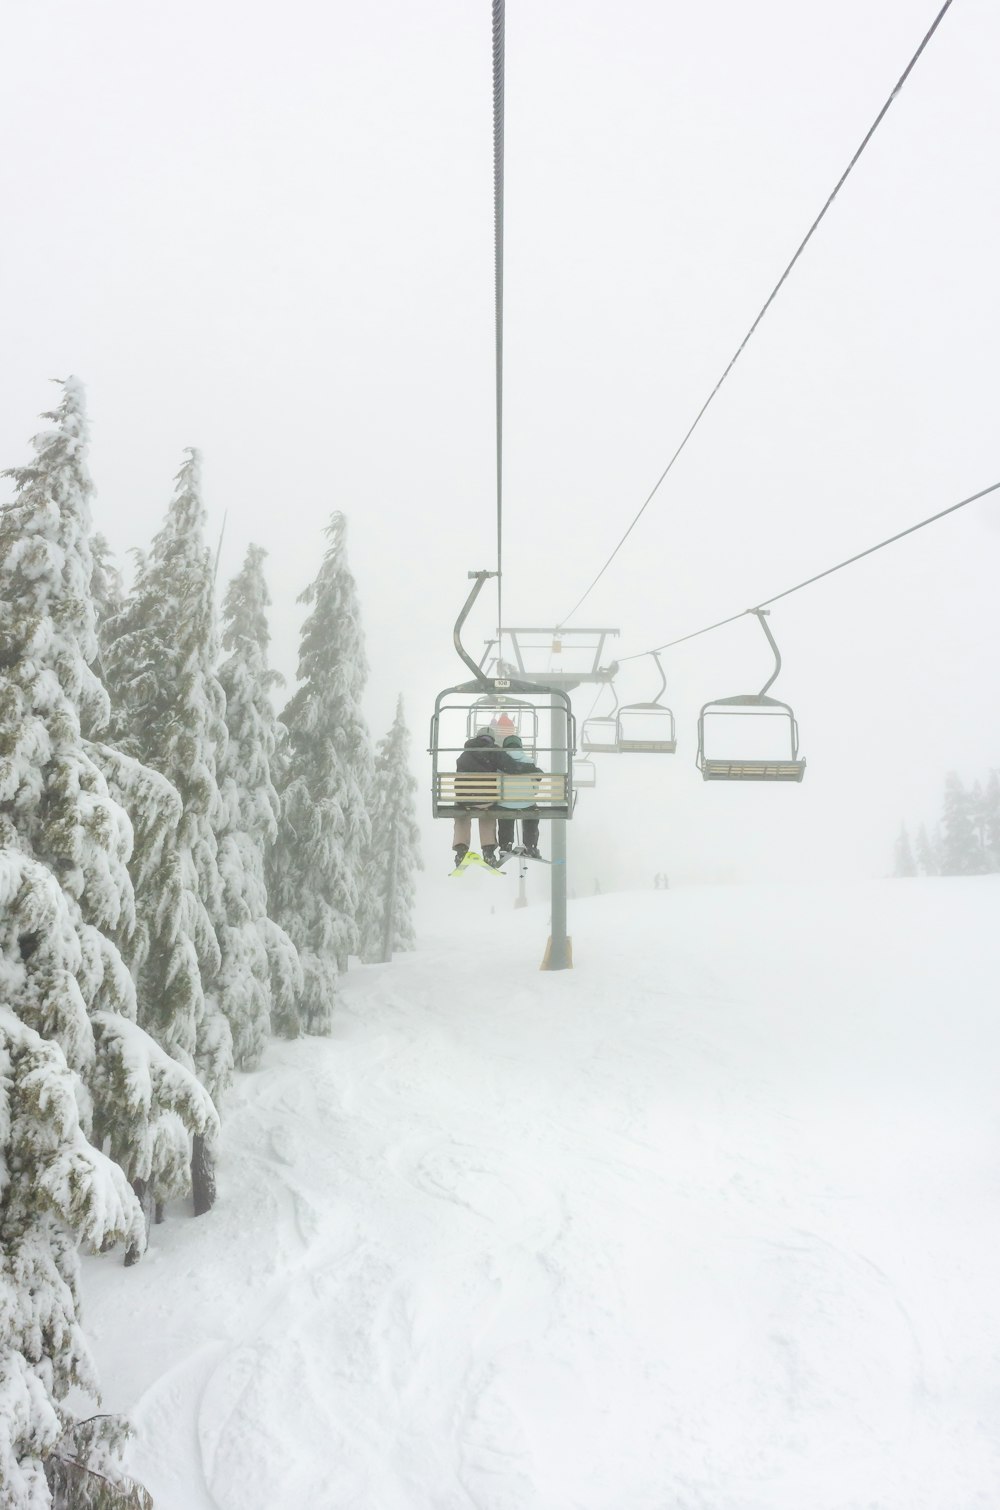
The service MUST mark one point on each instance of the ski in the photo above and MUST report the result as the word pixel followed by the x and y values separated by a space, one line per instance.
pixel 471 858
pixel 520 852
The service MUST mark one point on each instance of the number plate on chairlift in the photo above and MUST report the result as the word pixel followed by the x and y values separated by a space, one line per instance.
pixel 501 683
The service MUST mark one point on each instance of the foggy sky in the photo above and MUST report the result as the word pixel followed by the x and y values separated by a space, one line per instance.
pixel 268 233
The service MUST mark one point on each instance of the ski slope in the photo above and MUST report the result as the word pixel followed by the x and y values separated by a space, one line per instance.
pixel 710 1222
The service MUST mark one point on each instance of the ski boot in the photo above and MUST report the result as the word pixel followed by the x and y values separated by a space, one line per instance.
pixel 461 850
pixel 490 856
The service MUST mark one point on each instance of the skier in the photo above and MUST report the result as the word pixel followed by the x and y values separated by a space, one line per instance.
pixel 481 754
pixel 501 724
pixel 529 826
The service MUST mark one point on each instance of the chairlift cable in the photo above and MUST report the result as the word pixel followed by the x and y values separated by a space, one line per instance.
pixel 768 302
pixel 597 698
pixel 498 157
pixel 818 577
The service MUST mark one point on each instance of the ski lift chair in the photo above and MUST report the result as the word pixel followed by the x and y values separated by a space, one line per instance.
pixel 599 736
pixel 457 793
pixel 754 706
pixel 647 728
pixel 584 772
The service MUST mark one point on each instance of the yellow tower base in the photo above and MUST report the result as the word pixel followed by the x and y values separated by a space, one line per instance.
pixel 547 958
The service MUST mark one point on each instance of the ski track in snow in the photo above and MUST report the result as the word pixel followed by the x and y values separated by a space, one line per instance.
pixel 701 1225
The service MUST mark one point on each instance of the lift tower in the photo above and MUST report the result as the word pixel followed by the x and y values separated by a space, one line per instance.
pixel 571 658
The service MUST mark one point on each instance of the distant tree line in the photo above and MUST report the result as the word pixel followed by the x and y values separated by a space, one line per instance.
pixel 182 873
pixel 965 841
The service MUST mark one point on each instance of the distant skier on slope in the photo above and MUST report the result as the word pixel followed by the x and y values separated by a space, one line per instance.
pixel 478 755
pixel 529 826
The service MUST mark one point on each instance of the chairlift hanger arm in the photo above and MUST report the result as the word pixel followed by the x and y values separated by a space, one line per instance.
pixel 663 677
pixel 761 616
pixel 480 578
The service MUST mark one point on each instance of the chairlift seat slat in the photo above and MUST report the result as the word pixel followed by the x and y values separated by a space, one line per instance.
pixel 647 746
pixel 460 792
pixel 753 770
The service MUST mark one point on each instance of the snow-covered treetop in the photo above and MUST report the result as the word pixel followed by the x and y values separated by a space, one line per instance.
pixel 45 560
pixel 332 652
pixel 245 774
pixel 61 810
pixel 162 647
pixel 326 829
pixel 244 608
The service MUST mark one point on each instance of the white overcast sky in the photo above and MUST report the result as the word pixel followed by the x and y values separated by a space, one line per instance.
pixel 267 231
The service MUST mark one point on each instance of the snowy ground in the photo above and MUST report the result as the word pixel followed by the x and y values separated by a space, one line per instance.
pixel 710 1222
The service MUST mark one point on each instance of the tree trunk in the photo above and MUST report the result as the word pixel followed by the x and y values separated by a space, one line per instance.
pixel 202 1175
pixel 143 1190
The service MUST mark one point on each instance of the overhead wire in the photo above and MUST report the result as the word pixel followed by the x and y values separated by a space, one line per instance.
pixel 817 576
pixel 767 303
pixel 499 21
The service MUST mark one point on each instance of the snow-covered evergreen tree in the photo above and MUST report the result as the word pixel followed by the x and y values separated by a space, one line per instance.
pixel 394 857
pixel 905 865
pixel 927 861
pixel 57 808
pixel 262 977
pixel 991 820
pixel 169 713
pixel 317 865
pixel 57 1189
pixel 977 815
pixel 55 795
pixel 961 851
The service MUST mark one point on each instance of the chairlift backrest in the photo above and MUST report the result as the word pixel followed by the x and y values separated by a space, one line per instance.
pixel 646 729
pixel 504 716
pixel 599 736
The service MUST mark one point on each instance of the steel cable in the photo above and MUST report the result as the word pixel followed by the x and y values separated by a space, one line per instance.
pixel 498 145
pixel 768 302
pixel 818 576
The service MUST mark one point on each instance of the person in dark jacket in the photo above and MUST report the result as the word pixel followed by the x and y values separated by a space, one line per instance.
pixel 480 754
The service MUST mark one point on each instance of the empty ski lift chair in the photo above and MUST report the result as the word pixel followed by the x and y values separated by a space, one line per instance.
pixel 647 728
pixel 599 736
pixel 584 772
pixel 753 706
